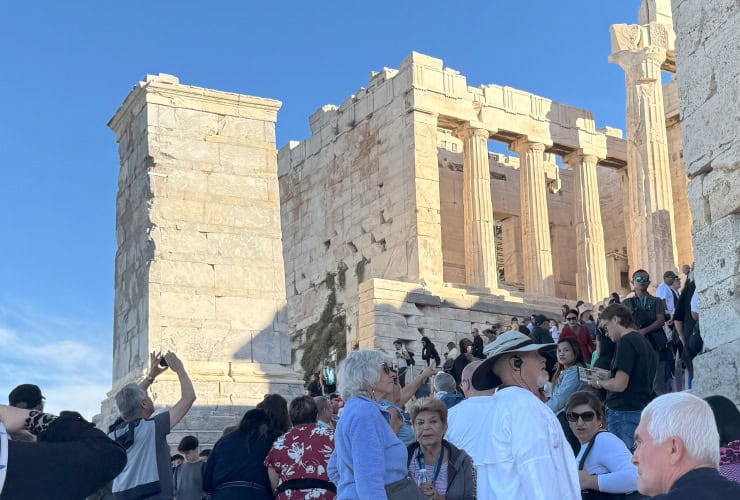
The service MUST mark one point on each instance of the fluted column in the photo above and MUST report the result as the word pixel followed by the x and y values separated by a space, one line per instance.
pixel 592 284
pixel 652 240
pixel 535 220
pixel 480 247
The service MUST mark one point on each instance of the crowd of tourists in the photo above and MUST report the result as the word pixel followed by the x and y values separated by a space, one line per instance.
pixel 593 409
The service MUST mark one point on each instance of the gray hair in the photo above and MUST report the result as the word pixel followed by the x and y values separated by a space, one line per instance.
pixel 688 418
pixel 128 401
pixel 360 371
pixel 445 382
pixel 322 404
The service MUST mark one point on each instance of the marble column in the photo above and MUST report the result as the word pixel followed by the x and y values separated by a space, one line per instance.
pixel 536 245
pixel 653 238
pixel 591 279
pixel 480 247
pixel 626 211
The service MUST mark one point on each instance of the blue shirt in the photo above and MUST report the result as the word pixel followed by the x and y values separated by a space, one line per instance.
pixel 367 455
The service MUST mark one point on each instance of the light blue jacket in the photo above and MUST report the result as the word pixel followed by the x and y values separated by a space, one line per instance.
pixel 568 383
pixel 367 455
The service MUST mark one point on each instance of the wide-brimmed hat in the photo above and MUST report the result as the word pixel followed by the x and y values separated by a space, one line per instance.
pixel 512 341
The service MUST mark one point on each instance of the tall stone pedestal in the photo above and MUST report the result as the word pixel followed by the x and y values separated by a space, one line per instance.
pixel 199 267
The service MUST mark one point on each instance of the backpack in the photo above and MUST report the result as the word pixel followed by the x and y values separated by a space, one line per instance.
pixel 329 376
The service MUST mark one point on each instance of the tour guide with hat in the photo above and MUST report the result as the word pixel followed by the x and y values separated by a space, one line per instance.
pixel 523 451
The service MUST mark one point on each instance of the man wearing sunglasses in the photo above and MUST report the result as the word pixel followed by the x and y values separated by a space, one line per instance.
pixel 648 313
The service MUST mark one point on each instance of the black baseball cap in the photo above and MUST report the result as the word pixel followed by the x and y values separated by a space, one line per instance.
pixel 25 393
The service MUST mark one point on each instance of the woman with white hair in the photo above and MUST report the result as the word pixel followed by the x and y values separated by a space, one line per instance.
pixel 369 461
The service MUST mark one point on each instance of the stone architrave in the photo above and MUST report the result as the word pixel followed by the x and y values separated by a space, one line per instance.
pixel 199 267
pixel 591 278
pixel 653 238
pixel 480 247
pixel 535 219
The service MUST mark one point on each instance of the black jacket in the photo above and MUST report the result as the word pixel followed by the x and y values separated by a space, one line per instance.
pixel 428 351
pixel 540 336
pixel 704 483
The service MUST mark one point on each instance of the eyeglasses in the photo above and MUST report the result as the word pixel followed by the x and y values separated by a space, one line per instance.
pixel 571 318
pixel 641 279
pixel 586 416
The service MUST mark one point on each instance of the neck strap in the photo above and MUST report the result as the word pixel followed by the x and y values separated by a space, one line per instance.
pixel 437 466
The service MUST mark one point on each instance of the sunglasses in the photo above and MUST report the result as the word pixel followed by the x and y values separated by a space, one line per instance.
pixel 641 279
pixel 572 318
pixel 388 369
pixel 586 416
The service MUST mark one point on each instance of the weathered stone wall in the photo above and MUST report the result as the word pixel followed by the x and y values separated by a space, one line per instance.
pixel 708 76
pixel 199 263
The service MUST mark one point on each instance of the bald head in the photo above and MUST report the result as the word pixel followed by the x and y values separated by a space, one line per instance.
pixel 466 385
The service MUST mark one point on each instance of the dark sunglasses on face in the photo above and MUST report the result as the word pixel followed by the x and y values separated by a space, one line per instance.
pixel 571 318
pixel 586 416
pixel 388 369
pixel 641 279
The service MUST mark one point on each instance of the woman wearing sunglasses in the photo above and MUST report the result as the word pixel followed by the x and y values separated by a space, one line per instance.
pixel 605 468
pixel 368 461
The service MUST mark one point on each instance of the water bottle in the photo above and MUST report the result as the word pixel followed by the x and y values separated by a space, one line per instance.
pixel 421 477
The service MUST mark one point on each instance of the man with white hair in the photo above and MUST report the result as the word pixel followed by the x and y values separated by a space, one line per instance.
pixel 677 451
pixel 524 453
pixel 445 389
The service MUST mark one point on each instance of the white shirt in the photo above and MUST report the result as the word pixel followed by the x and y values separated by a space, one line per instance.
pixel 664 292
pixel 611 461
pixel 400 359
pixel 522 451
pixel 554 333
pixel 694 303
pixel 465 428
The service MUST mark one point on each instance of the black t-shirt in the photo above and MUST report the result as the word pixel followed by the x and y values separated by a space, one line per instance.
pixel 636 358
pixel 606 350
pixel 478 347
pixel 645 311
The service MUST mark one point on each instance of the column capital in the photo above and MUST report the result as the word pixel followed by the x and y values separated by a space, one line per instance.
pixel 524 143
pixel 581 156
pixel 471 129
pixel 636 58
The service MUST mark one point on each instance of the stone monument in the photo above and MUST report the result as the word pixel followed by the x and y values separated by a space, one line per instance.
pixel 199 267
pixel 708 77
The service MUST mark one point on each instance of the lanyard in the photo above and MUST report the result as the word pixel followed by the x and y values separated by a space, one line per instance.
pixel 437 466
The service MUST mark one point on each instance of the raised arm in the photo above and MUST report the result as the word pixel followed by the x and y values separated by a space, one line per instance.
pixel 411 387
pixel 187 393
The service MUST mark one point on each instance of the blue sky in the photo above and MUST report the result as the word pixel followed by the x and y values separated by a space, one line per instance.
pixel 65 67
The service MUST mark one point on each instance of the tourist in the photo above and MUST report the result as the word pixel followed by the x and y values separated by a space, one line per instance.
pixel 314 386
pixel 587 320
pixel 565 309
pixel 666 293
pixel 477 344
pixel 142 434
pixel 727 417
pixel 630 387
pixel 369 460
pixel 398 420
pixel 429 352
pixel 565 382
pixel 439 468
pixel 648 313
pixel 580 333
pixel 403 358
pixel 527 455
pixel 176 461
pixel 452 351
pixel 188 477
pixel 464 427
pixel 605 347
pixel 530 324
pixel 613 299
pixel 235 468
pixel 465 357
pixel 325 414
pixel 604 462
pixel 204 454
pixel 276 408
pixel 70 460
pixel 554 330
pixel 445 389
pixel 677 451
pixel 302 474
pixel 539 332
pixel 29 397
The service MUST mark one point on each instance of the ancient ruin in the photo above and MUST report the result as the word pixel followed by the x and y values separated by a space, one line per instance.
pixel 199 263
pixel 397 220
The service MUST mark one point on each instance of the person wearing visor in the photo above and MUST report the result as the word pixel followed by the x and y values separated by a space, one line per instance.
pixel 527 455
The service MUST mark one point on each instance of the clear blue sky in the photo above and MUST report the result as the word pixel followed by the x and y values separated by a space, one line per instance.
pixel 65 67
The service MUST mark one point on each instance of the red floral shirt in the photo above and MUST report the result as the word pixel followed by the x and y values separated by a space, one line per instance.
pixel 302 452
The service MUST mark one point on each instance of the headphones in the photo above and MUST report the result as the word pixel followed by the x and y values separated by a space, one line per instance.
pixel 517 362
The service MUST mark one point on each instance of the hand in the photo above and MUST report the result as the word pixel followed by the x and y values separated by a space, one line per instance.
pixel 174 362
pixel 154 369
pixel 588 481
pixel 428 490
pixel 430 370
